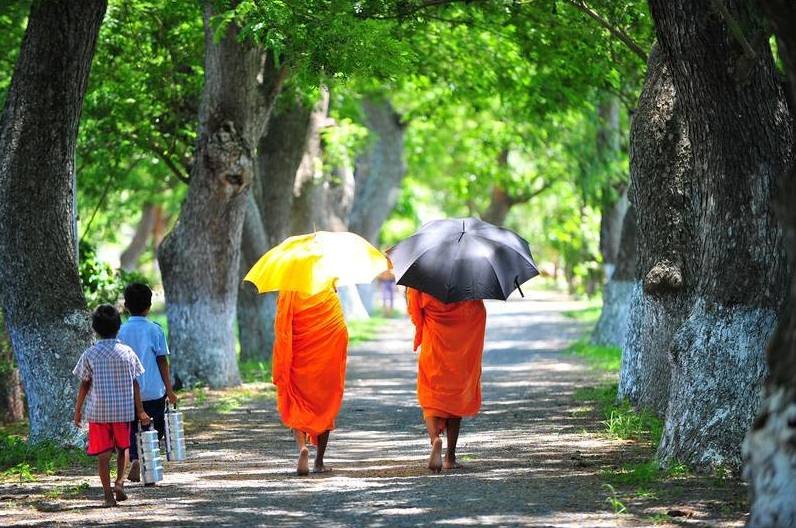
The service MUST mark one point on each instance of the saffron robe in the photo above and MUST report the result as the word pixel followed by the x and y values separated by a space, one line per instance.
pixel 309 360
pixel 451 341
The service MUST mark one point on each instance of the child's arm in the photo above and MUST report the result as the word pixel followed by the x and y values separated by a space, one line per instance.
pixel 139 407
pixel 85 385
pixel 163 366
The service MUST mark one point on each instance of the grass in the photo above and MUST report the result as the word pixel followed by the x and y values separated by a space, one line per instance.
pixel 606 358
pixel 585 315
pixel 360 331
pixel 20 461
pixel 620 419
pixel 255 371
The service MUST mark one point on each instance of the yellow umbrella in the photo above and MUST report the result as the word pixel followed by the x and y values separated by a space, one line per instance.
pixel 317 261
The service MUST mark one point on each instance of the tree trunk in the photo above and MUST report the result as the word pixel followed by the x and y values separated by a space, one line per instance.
pixel 144 229
pixel 267 222
pixel 611 328
pixel 12 401
pixel 739 132
pixel 255 312
pixel 770 446
pixel 499 205
pixel 379 170
pixel 42 298
pixel 200 258
pixel 660 176
pixel 613 211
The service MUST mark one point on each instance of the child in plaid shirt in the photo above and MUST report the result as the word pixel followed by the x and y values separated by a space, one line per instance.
pixel 107 371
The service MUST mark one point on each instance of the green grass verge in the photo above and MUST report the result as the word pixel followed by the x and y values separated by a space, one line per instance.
pixel 605 358
pixel 363 330
pixel 21 461
pixel 620 419
pixel 585 315
pixel 255 371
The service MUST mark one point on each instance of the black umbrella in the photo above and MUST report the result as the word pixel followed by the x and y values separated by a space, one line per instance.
pixel 463 258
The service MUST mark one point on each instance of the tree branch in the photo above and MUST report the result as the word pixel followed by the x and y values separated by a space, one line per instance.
pixel 613 30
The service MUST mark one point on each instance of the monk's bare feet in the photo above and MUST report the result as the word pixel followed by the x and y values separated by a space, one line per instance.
pixel 451 464
pixel 320 468
pixel 303 468
pixel 435 459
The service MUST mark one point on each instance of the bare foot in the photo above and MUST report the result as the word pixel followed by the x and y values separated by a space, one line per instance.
pixel 303 468
pixel 320 468
pixel 135 472
pixel 110 502
pixel 118 490
pixel 435 459
pixel 451 464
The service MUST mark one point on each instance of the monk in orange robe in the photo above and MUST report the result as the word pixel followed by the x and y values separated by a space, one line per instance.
pixel 451 341
pixel 309 361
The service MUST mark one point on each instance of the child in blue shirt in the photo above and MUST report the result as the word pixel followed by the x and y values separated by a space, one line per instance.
pixel 148 341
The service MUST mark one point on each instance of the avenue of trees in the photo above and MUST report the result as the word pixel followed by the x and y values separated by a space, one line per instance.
pixel 644 146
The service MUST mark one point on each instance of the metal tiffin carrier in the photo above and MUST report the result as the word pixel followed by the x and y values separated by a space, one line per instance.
pixel 149 455
pixel 175 435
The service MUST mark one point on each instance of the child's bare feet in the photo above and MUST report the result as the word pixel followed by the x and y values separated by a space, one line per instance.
pixel 303 467
pixel 110 501
pixel 118 491
pixel 435 459
pixel 135 472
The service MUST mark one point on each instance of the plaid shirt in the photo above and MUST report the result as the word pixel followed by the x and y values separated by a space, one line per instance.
pixel 111 367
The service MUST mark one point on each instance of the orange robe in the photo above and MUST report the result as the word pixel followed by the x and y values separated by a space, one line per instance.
pixel 451 337
pixel 309 360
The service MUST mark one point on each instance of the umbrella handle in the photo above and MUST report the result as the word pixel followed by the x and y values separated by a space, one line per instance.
pixel 517 283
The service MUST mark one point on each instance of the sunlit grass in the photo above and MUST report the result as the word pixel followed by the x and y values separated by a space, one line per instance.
pixel 620 419
pixel 255 371
pixel 363 330
pixel 23 462
pixel 585 315
pixel 605 358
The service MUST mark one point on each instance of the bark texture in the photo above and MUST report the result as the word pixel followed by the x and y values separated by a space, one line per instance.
pixel 770 446
pixel 200 258
pixel 719 287
pixel 611 328
pixel 267 223
pixel 660 173
pixel 42 298
pixel 379 170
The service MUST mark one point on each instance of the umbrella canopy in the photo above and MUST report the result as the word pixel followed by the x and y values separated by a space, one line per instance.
pixel 463 258
pixel 317 261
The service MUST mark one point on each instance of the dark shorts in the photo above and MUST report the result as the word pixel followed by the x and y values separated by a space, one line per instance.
pixel 156 409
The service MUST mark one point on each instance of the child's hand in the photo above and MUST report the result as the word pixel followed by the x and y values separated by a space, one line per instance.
pixel 78 418
pixel 143 417
pixel 172 397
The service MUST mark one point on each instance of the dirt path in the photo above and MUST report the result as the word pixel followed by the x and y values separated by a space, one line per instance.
pixel 532 459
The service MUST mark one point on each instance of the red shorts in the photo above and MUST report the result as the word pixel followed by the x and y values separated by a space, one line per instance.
pixel 106 436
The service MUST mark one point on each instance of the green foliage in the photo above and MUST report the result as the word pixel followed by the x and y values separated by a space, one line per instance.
pixel 605 358
pixel 13 21
pixel 22 461
pixel 101 283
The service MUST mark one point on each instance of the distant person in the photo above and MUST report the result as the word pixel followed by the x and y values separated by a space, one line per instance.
pixel 451 341
pixel 387 282
pixel 309 362
pixel 148 341
pixel 108 371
